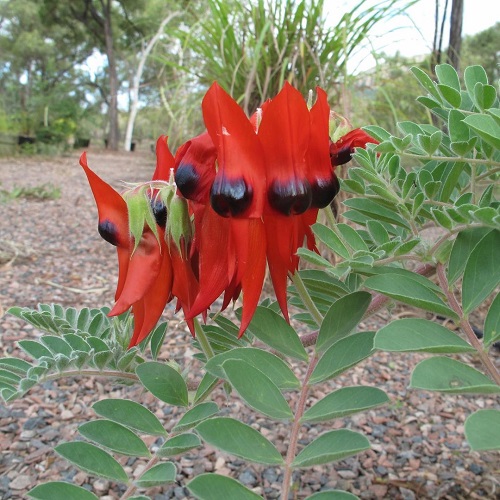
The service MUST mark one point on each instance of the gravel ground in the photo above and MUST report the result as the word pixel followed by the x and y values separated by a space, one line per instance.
pixel 50 252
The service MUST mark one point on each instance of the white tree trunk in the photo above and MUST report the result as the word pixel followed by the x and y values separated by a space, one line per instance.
pixel 136 81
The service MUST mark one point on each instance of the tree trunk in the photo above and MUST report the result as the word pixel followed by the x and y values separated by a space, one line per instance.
pixel 136 81
pixel 455 45
pixel 114 131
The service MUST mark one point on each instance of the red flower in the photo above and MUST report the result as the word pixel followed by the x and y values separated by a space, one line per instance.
pixel 152 268
pixel 342 150
pixel 267 178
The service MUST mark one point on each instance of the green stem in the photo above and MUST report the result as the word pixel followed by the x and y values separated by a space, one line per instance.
pixel 477 161
pixel 330 217
pixel 306 298
pixel 203 340
pixel 91 373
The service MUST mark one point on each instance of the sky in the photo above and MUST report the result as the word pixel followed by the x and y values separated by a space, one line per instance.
pixel 412 34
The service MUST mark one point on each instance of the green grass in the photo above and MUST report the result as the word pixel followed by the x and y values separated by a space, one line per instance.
pixel 37 193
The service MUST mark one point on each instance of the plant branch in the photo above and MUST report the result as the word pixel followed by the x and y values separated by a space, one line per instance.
pixel 306 298
pixel 203 340
pixel 462 159
pixel 466 327
pixel 91 373
pixel 294 433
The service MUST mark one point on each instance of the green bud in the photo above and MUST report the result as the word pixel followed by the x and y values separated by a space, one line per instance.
pixel 179 222
pixel 140 214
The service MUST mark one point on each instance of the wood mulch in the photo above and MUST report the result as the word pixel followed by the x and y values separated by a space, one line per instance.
pixel 50 252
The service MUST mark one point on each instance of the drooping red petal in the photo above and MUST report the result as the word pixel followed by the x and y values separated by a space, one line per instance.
pixel 123 262
pixel 280 235
pixel 284 135
pixel 238 189
pixel 341 151
pixel 323 181
pixel 185 285
pixel 254 269
pixel 155 299
pixel 142 271
pixel 111 208
pixel 216 260
pixel 195 168
pixel 164 160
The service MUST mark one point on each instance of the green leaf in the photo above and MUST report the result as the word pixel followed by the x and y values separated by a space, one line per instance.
pixel 158 475
pixel 345 353
pixel 256 389
pixel 345 401
pixel 332 495
pixel 492 323
pixel 114 436
pixel 472 75
pixel 179 444
pixel 92 459
pixel 331 446
pixel 157 337
pixel 377 232
pixel 351 237
pixel 486 127
pixel 482 272
pixel 196 415
pixel 342 317
pixel 60 490
pixel 274 368
pixel 208 382
pixel 448 375
pixel 34 349
pixel 482 430
pixel 419 335
pixel 164 382
pixel 131 414
pixel 426 82
pixel 273 330
pixel 312 257
pixel 448 75
pixel 239 439
pixel 451 95
pixel 484 95
pixel 464 244
pixel 330 239
pixel 409 291
pixel 15 365
pixel 210 486
pixel 376 211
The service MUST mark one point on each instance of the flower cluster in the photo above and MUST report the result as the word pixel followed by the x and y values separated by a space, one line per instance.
pixel 234 199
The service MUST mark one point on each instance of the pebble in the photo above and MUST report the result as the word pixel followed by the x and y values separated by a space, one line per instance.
pixel 21 482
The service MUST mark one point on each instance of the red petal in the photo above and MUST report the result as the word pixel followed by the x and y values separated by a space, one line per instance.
pixel 239 186
pixel 341 151
pixel 254 269
pixel 154 300
pixel 164 160
pixel 281 236
pixel 324 183
pixel 217 260
pixel 284 135
pixel 185 284
pixel 111 208
pixel 142 271
pixel 195 168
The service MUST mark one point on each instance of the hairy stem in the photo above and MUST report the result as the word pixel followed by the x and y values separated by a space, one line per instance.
pixel 466 327
pixel 294 433
pixel 306 298
pixel 203 340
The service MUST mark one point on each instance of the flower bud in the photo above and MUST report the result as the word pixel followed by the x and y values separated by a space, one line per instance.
pixel 179 227
pixel 140 214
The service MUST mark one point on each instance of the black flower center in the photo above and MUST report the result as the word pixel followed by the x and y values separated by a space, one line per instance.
pixel 230 197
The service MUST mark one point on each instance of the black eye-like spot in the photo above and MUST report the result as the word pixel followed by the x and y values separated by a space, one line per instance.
pixel 291 198
pixel 341 157
pixel 107 230
pixel 324 191
pixel 159 211
pixel 230 196
pixel 186 179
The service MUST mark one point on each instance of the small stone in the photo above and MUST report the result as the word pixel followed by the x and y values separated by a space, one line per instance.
pixel 101 485
pixel 27 435
pixel 407 494
pixel 219 463
pixel 476 469
pixel 347 474
pixel 67 415
pixel 21 482
pixel 247 478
